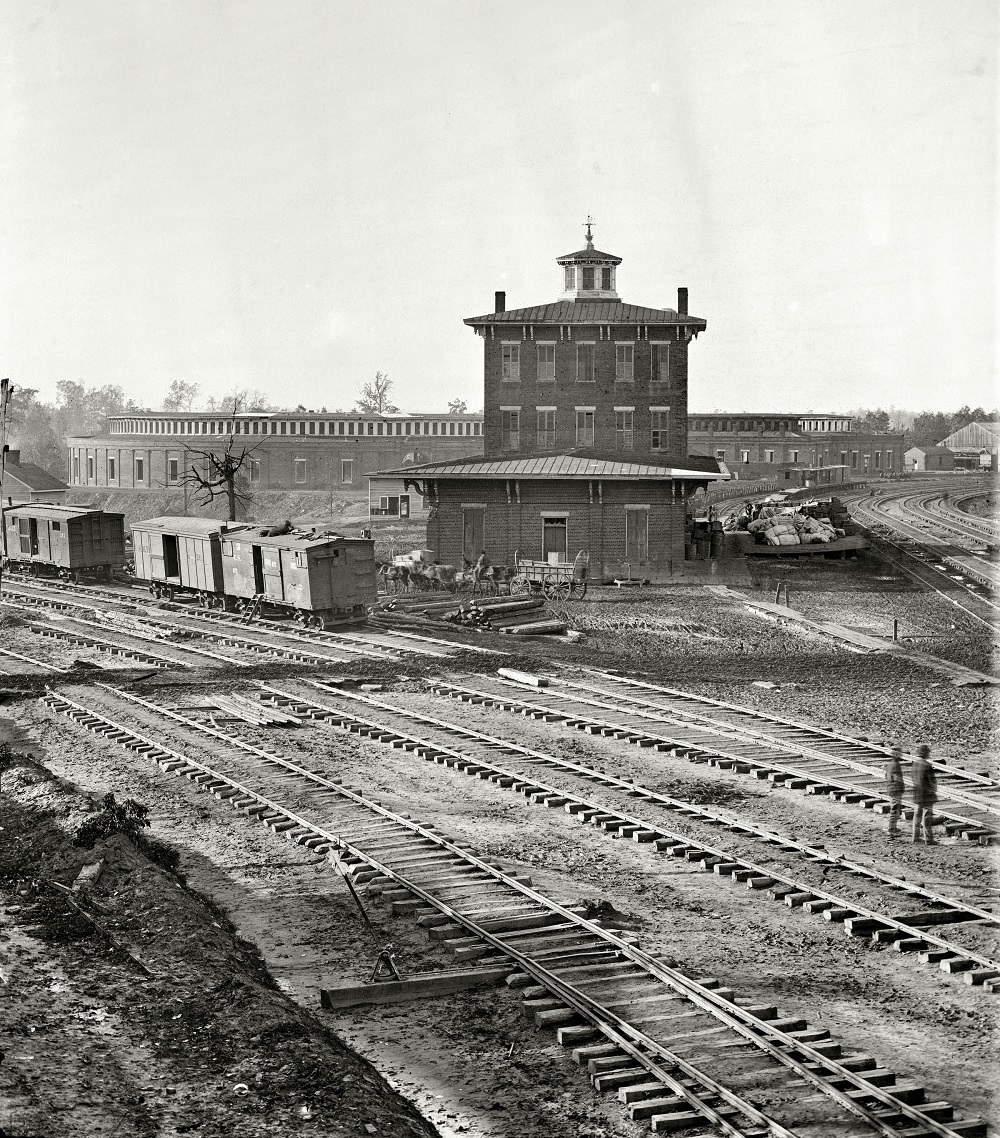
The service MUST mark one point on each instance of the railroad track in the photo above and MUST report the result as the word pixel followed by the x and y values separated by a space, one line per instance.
pixel 961 567
pixel 731 747
pixel 798 737
pixel 476 753
pixel 299 644
pixel 679 1051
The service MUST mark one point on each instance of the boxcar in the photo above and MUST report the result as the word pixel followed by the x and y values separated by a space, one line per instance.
pixel 180 555
pixel 322 579
pixel 65 541
pixel 325 579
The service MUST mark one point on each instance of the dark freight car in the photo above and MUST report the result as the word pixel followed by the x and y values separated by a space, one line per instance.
pixel 66 541
pixel 321 579
pixel 326 579
pixel 180 555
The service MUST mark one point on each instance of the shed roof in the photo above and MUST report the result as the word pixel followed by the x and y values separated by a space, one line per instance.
pixel 560 466
pixel 930 450
pixel 195 527
pixel 57 512
pixel 34 477
pixel 588 312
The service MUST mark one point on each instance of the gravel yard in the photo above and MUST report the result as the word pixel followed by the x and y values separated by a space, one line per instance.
pixel 261 924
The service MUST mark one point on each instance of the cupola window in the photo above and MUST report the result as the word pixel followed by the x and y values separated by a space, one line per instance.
pixel 570 277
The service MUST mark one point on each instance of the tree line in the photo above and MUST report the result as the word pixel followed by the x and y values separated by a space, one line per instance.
pixel 39 428
pixel 922 428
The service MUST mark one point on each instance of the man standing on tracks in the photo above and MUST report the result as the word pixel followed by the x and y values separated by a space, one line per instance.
pixel 924 795
pixel 894 790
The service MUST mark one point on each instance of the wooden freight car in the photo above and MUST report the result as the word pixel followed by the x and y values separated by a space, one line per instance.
pixel 325 579
pixel 66 541
pixel 322 579
pixel 180 555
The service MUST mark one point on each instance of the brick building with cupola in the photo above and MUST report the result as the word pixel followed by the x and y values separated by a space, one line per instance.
pixel 585 432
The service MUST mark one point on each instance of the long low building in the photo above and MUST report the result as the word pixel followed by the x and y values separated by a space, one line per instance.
pixel 796 449
pixel 312 451
pixel 301 451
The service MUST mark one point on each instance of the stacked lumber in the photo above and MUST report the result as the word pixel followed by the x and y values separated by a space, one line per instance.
pixel 239 707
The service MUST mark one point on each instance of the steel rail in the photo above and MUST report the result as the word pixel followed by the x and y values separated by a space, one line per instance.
pixel 778 1045
pixel 603 1021
pixel 845 909
pixel 737 758
pixel 31 660
pixel 766 717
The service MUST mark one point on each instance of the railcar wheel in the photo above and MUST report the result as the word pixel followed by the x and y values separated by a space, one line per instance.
pixel 154 591
pixel 170 592
pixel 520 585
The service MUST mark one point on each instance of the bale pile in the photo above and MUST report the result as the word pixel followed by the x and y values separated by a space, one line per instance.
pixel 792 529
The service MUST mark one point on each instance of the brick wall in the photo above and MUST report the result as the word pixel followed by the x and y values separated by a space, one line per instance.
pixel 565 393
pixel 595 515
pixel 323 457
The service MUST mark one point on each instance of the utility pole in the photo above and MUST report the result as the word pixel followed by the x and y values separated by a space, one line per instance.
pixel 6 391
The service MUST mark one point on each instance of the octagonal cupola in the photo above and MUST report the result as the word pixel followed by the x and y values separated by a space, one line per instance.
pixel 589 274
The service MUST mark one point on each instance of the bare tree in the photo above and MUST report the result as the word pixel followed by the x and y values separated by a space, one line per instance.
pixel 374 398
pixel 180 396
pixel 457 407
pixel 221 474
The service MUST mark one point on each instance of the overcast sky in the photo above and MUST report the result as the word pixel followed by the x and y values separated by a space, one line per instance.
pixel 291 196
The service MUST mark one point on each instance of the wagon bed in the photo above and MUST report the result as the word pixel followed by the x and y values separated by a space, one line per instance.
pixel 557 582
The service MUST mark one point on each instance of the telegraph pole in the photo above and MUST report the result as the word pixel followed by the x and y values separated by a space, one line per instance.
pixel 6 391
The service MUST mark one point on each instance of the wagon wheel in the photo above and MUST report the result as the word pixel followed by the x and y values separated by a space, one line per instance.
pixel 519 585
pixel 316 621
pixel 555 588
pixel 578 589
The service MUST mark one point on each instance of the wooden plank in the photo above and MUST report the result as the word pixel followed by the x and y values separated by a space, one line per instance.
pixel 416 987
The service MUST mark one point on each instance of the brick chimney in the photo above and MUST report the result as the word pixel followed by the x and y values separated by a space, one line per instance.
pixel 501 302
pixel 682 301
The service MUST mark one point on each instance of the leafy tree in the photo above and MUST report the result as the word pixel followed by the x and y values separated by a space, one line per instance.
pixel 180 396
pixel 457 407
pixel 872 422
pixel 374 398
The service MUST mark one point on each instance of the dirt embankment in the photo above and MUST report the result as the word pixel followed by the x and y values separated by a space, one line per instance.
pixel 187 1034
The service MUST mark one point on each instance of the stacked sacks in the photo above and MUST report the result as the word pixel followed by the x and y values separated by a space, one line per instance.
pixel 790 529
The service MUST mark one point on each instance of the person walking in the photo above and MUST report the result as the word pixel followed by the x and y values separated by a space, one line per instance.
pixel 894 790
pixel 924 795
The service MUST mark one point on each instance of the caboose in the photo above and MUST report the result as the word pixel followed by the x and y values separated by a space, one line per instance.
pixel 66 541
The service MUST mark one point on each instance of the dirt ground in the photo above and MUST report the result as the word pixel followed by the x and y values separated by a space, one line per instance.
pixel 241 943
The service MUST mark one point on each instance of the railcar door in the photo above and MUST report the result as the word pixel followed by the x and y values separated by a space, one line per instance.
pixel 274 584
pixel 258 569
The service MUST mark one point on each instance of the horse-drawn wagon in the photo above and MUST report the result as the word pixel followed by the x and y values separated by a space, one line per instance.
pixel 557 580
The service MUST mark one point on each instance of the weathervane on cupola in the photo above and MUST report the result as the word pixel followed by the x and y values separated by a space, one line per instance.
pixel 589 274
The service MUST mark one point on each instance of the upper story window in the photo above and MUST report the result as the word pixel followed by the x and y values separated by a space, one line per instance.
pixel 477 428
pixel 661 363
pixel 546 362
pixel 584 428
pixel 744 456
pixel 172 470
pixel 624 429
pixel 585 363
pixel 510 361
pixel 254 470
pixel 510 429
pixel 606 280
pixel 624 363
pixel 588 278
pixel 570 278
pixel 659 421
pixel 769 456
pixel 546 428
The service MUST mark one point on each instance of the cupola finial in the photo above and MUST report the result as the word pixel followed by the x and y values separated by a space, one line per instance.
pixel 590 237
